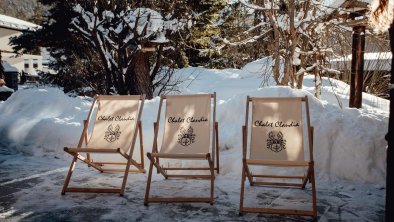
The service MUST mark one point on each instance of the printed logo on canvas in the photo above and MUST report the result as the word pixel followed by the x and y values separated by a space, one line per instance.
pixel 111 135
pixel 275 141
pixel 186 137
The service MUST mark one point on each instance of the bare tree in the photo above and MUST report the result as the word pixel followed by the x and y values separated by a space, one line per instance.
pixel 297 33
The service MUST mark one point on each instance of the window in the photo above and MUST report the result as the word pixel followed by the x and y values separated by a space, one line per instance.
pixel 35 63
pixel 26 61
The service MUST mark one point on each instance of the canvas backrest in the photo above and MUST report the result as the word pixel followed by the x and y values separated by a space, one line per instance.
pixel 277 129
pixel 115 122
pixel 187 124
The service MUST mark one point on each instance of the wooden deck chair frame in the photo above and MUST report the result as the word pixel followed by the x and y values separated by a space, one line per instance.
pixel 309 176
pixel 212 158
pixel 100 166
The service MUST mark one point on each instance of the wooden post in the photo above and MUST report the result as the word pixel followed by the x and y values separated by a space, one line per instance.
pixel 390 140
pixel 357 70
pixel 1 67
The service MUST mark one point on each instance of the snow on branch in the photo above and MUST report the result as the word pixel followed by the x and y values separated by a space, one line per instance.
pixel 248 40
pixel 256 7
pixel 308 69
pixel 117 35
pixel 147 23
pixel 255 27
pixel 333 71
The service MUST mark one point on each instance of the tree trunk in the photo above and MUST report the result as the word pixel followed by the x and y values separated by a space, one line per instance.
pixel 303 58
pixel 122 59
pixel 110 79
pixel 276 56
pixel 287 71
pixel 121 86
pixel 318 80
pixel 293 43
pixel 140 76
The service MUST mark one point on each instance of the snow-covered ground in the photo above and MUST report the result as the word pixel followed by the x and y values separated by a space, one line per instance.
pixel 349 153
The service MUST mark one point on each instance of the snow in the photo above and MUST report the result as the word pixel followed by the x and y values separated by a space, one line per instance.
pixel 103 30
pixel 14 23
pixel 267 6
pixel 5 89
pixel 8 67
pixel 333 3
pixel 372 61
pixel 349 151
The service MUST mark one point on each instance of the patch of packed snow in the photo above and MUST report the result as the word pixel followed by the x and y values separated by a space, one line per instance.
pixel 5 89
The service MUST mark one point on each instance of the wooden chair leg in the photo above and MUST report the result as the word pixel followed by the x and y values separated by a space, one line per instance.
pixel 241 201
pixel 212 167
pixel 312 178
pixel 148 182
pixel 248 174
pixel 306 178
pixel 70 171
pixel 141 144
pixel 126 174
pixel 217 147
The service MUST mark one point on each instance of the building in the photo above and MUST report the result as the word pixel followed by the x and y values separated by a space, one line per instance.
pixel 375 75
pixel 29 64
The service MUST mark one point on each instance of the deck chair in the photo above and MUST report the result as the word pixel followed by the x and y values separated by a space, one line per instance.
pixel 116 122
pixel 187 127
pixel 277 140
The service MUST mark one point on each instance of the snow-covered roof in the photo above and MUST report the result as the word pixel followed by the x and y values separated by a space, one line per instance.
pixel 8 67
pixel 337 3
pixel 368 56
pixel 372 61
pixel 14 23
pixel 333 3
pixel 350 9
pixel 6 89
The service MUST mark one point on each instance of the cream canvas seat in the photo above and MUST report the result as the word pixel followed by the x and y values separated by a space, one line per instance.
pixel 113 123
pixel 190 133
pixel 277 139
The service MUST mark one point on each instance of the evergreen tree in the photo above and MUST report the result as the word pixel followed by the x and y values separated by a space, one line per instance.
pixel 37 17
pixel 240 40
pixel 201 39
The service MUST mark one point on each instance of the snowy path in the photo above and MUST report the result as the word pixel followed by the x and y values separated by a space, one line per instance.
pixel 30 191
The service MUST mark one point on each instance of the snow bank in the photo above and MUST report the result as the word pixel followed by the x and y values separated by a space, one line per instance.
pixel 41 121
pixel 349 143
pixel 5 89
